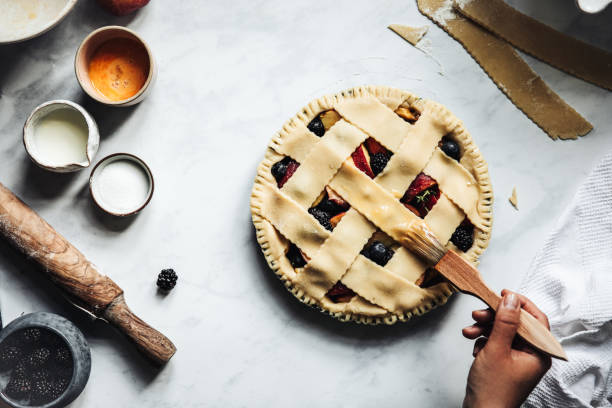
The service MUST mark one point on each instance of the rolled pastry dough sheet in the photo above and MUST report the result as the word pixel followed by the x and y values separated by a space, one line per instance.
pixel 543 42
pixel 510 73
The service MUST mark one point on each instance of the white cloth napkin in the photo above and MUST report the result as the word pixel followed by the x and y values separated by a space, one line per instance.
pixel 571 281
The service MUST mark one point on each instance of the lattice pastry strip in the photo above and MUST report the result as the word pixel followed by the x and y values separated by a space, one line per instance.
pixel 381 287
pixel 415 151
pixel 374 202
pixel 293 222
pixel 444 218
pixel 459 185
pixel 336 255
pixel 297 143
pixel 406 265
pixel 375 119
pixel 322 162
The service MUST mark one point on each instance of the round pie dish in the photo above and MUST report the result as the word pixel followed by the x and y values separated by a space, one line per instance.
pixel 340 177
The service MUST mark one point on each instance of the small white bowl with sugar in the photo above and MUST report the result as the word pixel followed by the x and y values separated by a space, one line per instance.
pixel 121 184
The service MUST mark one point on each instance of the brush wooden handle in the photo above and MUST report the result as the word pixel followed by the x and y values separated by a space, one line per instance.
pixel 468 280
pixel 73 273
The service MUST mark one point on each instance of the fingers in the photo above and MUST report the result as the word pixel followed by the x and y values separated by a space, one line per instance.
pixel 531 308
pixel 476 330
pixel 505 325
pixel 484 316
pixel 479 344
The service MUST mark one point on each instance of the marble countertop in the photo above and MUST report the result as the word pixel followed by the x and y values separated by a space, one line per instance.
pixel 230 74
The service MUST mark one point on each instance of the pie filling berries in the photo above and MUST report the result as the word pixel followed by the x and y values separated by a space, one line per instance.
pixel 323 121
pixel 316 126
pixel 371 157
pixel 38 365
pixel 295 256
pixel 283 170
pixel 422 195
pixel 429 278
pixel 450 147
pixel 166 280
pixel 329 209
pixel 408 113
pixel 377 252
pixel 463 237
pixel 339 293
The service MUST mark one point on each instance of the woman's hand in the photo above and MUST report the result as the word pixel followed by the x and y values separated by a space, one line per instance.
pixel 505 368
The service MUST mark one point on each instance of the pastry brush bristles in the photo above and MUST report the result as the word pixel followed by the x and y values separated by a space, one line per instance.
pixel 421 240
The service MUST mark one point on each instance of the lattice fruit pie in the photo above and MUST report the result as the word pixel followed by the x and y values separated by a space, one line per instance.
pixel 338 181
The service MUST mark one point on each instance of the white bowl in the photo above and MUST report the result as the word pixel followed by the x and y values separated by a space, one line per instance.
pixel 97 191
pixel 93 136
pixel 593 6
pixel 21 20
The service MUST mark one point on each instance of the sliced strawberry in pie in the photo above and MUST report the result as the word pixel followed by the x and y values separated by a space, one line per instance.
pixel 420 184
pixel 422 195
pixel 291 168
pixel 374 147
pixel 283 170
pixel 413 209
pixel 336 199
pixel 361 158
pixel 339 293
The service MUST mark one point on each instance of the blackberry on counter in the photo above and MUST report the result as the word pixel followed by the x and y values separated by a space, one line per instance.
pixel 38 357
pixel 463 237
pixel 166 280
pixel 18 387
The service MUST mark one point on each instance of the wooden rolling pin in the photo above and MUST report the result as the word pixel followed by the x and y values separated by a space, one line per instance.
pixel 78 277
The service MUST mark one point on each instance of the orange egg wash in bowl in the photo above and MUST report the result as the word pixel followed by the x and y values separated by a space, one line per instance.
pixel 119 68
pixel 115 66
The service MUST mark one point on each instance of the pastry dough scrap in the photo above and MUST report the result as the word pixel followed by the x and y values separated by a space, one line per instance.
pixel 551 46
pixel 510 73
pixel 411 34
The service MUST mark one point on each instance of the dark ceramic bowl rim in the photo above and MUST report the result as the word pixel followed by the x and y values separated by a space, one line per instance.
pixel 15 404
pixel 139 161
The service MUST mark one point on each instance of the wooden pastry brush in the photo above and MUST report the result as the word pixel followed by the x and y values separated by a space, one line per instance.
pixel 420 239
